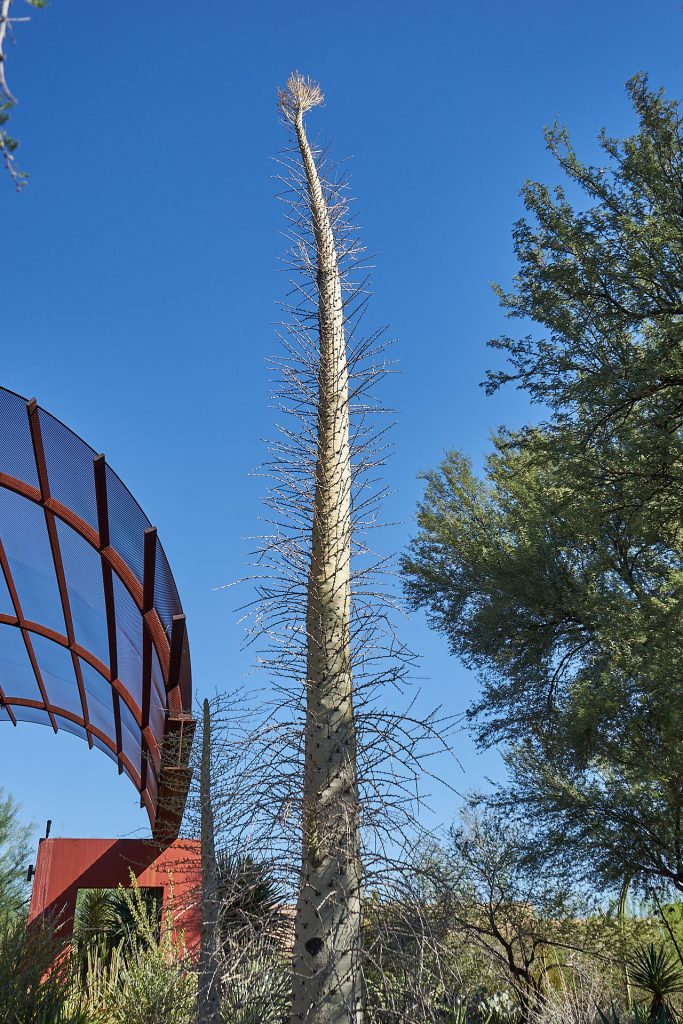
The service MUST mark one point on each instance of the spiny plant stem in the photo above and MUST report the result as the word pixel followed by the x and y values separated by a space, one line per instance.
pixel 327 981
pixel 208 995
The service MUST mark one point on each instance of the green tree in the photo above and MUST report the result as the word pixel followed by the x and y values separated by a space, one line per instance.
pixel 603 280
pixel 558 577
pixel 571 616
pixel 14 851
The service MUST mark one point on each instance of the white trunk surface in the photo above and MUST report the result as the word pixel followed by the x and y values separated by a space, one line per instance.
pixel 327 985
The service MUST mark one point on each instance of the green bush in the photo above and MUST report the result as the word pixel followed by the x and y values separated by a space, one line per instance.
pixel 141 981
pixel 32 989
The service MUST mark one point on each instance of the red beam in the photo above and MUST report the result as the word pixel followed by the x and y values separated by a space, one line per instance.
pixel 8 709
pixel 41 466
pixel 100 471
pixel 148 579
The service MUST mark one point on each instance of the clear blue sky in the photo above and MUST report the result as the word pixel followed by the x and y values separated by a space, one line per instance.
pixel 140 275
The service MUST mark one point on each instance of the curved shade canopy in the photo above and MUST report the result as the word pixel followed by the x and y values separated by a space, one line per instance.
pixel 92 632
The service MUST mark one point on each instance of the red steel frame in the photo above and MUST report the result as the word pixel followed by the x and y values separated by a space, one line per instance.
pixel 170 757
pixel 66 865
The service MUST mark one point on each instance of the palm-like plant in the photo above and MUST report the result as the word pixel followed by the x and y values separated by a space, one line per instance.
pixel 655 971
pixel 104 917
pixel 249 897
pixel 95 914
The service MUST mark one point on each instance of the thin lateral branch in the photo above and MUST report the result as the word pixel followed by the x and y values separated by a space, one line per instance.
pixel 4 26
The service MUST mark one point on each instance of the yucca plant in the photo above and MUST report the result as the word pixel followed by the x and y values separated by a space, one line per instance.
pixel 655 971
pixel 250 899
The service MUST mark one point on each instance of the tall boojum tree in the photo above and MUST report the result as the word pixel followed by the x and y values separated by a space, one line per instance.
pixel 327 978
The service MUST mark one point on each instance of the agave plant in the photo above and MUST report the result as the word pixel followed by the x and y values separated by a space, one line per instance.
pixel 655 971
pixel 636 1015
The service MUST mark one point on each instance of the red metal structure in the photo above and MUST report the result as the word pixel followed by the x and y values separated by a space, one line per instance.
pixel 92 632
pixel 67 865
pixel 93 642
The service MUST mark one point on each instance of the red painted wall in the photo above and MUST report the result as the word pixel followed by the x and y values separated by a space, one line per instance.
pixel 66 865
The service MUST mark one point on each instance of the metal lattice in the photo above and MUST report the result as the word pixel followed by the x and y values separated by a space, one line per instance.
pixel 92 632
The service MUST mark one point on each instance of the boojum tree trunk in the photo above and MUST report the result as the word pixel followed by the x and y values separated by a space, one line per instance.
pixel 327 979
pixel 208 993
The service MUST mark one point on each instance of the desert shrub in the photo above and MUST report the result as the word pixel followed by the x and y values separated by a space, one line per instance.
pixel 33 988
pixel 104 921
pixel 140 981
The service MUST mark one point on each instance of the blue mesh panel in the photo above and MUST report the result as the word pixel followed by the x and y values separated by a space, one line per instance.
pixel 131 747
pixel 6 606
pixel 57 672
pixel 66 725
pixel 152 787
pixel 69 468
pixel 100 704
pixel 128 774
pixel 16 450
pixel 104 748
pixel 128 721
pixel 16 675
pixel 157 717
pixel 4 715
pixel 24 535
pixel 128 641
pixel 32 715
pixel 166 600
pixel 127 523
pixel 83 572
pixel 130 736
pixel 158 679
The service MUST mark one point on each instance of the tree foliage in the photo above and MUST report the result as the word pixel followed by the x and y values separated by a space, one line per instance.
pixel 604 280
pixel 14 848
pixel 559 575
